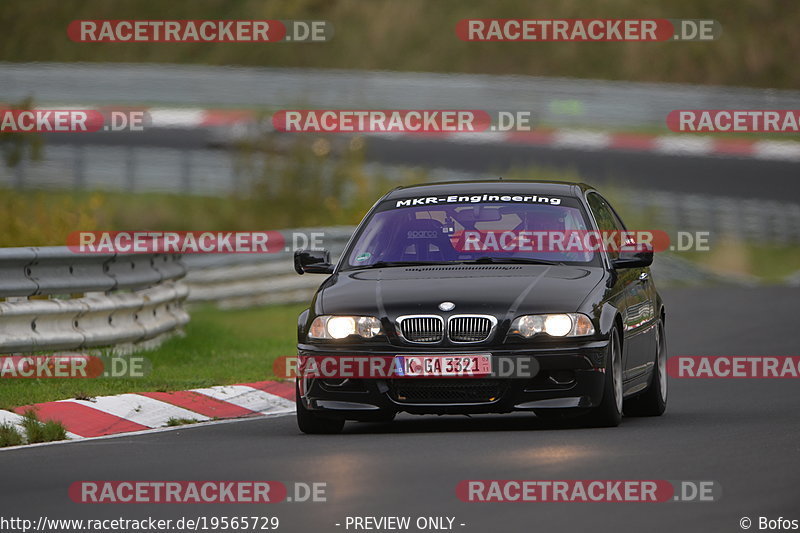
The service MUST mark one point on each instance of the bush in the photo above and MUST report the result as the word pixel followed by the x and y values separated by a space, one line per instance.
pixel 10 436
pixel 38 431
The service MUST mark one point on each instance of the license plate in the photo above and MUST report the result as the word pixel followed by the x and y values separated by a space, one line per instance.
pixel 460 365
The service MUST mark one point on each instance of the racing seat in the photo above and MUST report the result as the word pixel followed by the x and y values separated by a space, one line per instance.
pixel 555 220
pixel 424 240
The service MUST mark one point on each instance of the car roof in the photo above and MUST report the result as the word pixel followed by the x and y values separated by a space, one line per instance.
pixel 494 186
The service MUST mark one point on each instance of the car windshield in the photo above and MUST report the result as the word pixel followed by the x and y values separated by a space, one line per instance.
pixel 465 232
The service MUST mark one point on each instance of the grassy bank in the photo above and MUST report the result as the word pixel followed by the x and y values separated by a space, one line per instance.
pixel 757 47
pixel 300 186
pixel 33 431
pixel 220 347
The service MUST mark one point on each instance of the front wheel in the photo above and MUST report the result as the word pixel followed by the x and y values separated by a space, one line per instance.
pixel 609 412
pixel 653 401
pixel 311 423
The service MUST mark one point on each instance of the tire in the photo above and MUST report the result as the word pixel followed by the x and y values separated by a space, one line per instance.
pixel 653 401
pixel 311 423
pixel 609 412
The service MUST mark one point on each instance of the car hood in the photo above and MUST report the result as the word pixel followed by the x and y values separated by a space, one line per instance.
pixel 499 290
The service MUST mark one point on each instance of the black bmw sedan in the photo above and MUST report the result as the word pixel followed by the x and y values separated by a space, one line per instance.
pixel 484 297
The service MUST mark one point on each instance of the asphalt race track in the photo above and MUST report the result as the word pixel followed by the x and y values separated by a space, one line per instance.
pixel 684 173
pixel 695 174
pixel 744 434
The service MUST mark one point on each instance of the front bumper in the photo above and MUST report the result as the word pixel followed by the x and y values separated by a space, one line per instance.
pixel 566 377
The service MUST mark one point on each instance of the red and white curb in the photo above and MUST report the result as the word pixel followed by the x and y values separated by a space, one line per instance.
pixel 675 144
pixel 135 412
pixel 678 145
pixel 557 138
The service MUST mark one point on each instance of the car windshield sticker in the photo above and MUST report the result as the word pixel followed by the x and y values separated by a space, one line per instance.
pixel 478 198
pixel 422 234
pixel 363 257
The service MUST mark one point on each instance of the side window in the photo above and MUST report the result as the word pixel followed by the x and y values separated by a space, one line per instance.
pixel 607 219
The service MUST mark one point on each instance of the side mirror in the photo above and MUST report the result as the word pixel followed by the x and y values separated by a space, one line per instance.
pixel 313 262
pixel 633 259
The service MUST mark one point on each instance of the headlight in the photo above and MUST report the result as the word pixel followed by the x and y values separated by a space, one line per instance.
pixel 340 327
pixel 555 325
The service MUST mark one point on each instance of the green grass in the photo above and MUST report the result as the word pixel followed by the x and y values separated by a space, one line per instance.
pixel 38 431
pixel 301 188
pixel 172 422
pixel 35 431
pixel 773 262
pixel 770 263
pixel 220 348
pixel 10 435
pixel 757 46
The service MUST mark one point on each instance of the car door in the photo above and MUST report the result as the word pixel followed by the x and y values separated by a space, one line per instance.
pixel 640 295
pixel 634 300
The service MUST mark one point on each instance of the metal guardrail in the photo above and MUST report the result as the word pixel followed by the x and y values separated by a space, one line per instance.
pixel 556 101
pixel 744 219
pixel 249 280
pixel 54 299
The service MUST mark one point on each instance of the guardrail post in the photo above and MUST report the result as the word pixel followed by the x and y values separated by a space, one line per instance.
pixel 79 166
pixel 19 174
pixel 130 169
pixel 186 171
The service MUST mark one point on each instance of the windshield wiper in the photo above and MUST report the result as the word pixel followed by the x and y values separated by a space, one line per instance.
pixel 384 264
pixel 520 260
pixel 480 260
